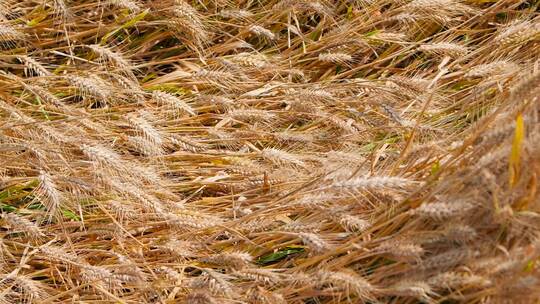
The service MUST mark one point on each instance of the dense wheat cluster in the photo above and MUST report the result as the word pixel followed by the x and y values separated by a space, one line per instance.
pixel 215 151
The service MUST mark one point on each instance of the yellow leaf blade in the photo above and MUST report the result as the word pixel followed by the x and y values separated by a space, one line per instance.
pixel 515 154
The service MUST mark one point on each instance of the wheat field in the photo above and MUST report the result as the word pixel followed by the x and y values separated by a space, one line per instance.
pixel 281 151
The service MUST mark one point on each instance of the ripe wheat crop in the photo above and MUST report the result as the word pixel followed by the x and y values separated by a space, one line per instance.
pixel 282 151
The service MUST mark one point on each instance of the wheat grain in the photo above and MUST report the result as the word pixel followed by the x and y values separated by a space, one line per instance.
pixel 440 211
pixel 375 182
pixel 31 65
pixel 237 260
pixel 99 276
pixel 418 290
pixel 401 250
pixel 340 58
pixel 352 223
pixel 492 69
pixel 261 31
pixel 188 25
pixel 21 224
pixel 8 34
pixel 144 127
pixel 518 32
pixel 200 297
pixel 251 60
pixel 281 157
pixel 192 220
pixel 444 49
pixel 92 86
pixel 216 282
pixel 251 115
pixel 447 259
pixel 315 243
pixel 264 276
pixel 48 194
pixel 269 151
pixel 235 14
pixel 455 280
pixel 30 290
pixel 133 6
pixel 349 281
pixel 111 57
pixel 176 104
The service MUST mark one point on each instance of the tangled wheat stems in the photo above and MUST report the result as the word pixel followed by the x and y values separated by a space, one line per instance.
pixel 269 151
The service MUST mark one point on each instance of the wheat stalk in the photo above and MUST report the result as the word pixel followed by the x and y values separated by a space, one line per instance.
pixel 282 151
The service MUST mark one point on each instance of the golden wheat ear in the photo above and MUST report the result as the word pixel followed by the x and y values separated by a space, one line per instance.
pixel 240 14
pixel 518 32
pixel 346 280
pixel 92 86
pixel 21 224
pixel 28 289
pixel 187 24
pixel 269 152
pixel 280 157
pixel 31 66
pixel 9 35
pixel 418 290
pixel 494 68
pixel 132 6
pixel 141 123
pixel 338 58
pixel 174 103
pixel 47 193
pixel 442 49
pixel 112 58
pixel 60 9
